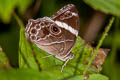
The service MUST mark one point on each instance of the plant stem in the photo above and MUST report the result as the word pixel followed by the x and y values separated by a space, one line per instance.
pixel 20 23
pixel 99 44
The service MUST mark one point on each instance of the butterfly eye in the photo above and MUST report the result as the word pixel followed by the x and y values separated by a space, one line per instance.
pixel 54 29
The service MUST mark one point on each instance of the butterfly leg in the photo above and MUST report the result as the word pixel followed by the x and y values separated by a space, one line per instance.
pixel 64 64
pixel 46 56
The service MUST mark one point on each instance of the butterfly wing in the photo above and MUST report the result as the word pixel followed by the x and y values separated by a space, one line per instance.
pixel 67 18
pixel 69 15
pixel 56 35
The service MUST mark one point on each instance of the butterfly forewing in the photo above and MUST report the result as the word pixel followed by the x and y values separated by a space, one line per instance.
pixel 69 15
pixel 67 18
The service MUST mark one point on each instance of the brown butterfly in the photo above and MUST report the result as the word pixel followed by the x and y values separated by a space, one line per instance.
pixel 57 34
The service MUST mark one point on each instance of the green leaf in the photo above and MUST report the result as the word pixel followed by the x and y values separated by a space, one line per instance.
pixel 7 8
pixel 106 6
pixel 25 54
pixel 97 77
pixel 26 58
pixel 25 74
pixel 80 77
pixel 29 74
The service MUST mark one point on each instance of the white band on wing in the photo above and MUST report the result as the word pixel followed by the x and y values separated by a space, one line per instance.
pixel 56 42
pixel 74 14
pixel 67 27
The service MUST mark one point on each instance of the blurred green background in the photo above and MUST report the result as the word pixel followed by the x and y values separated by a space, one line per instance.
pixel 94 16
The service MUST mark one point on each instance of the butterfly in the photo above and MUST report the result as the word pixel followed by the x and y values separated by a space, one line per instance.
pixel 57 34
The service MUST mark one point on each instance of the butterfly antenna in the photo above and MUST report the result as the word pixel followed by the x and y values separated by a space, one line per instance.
pixel 64 65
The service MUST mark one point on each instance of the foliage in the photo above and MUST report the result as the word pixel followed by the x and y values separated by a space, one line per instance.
pixel 7 8
pixel 107 6
pixel 26 74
